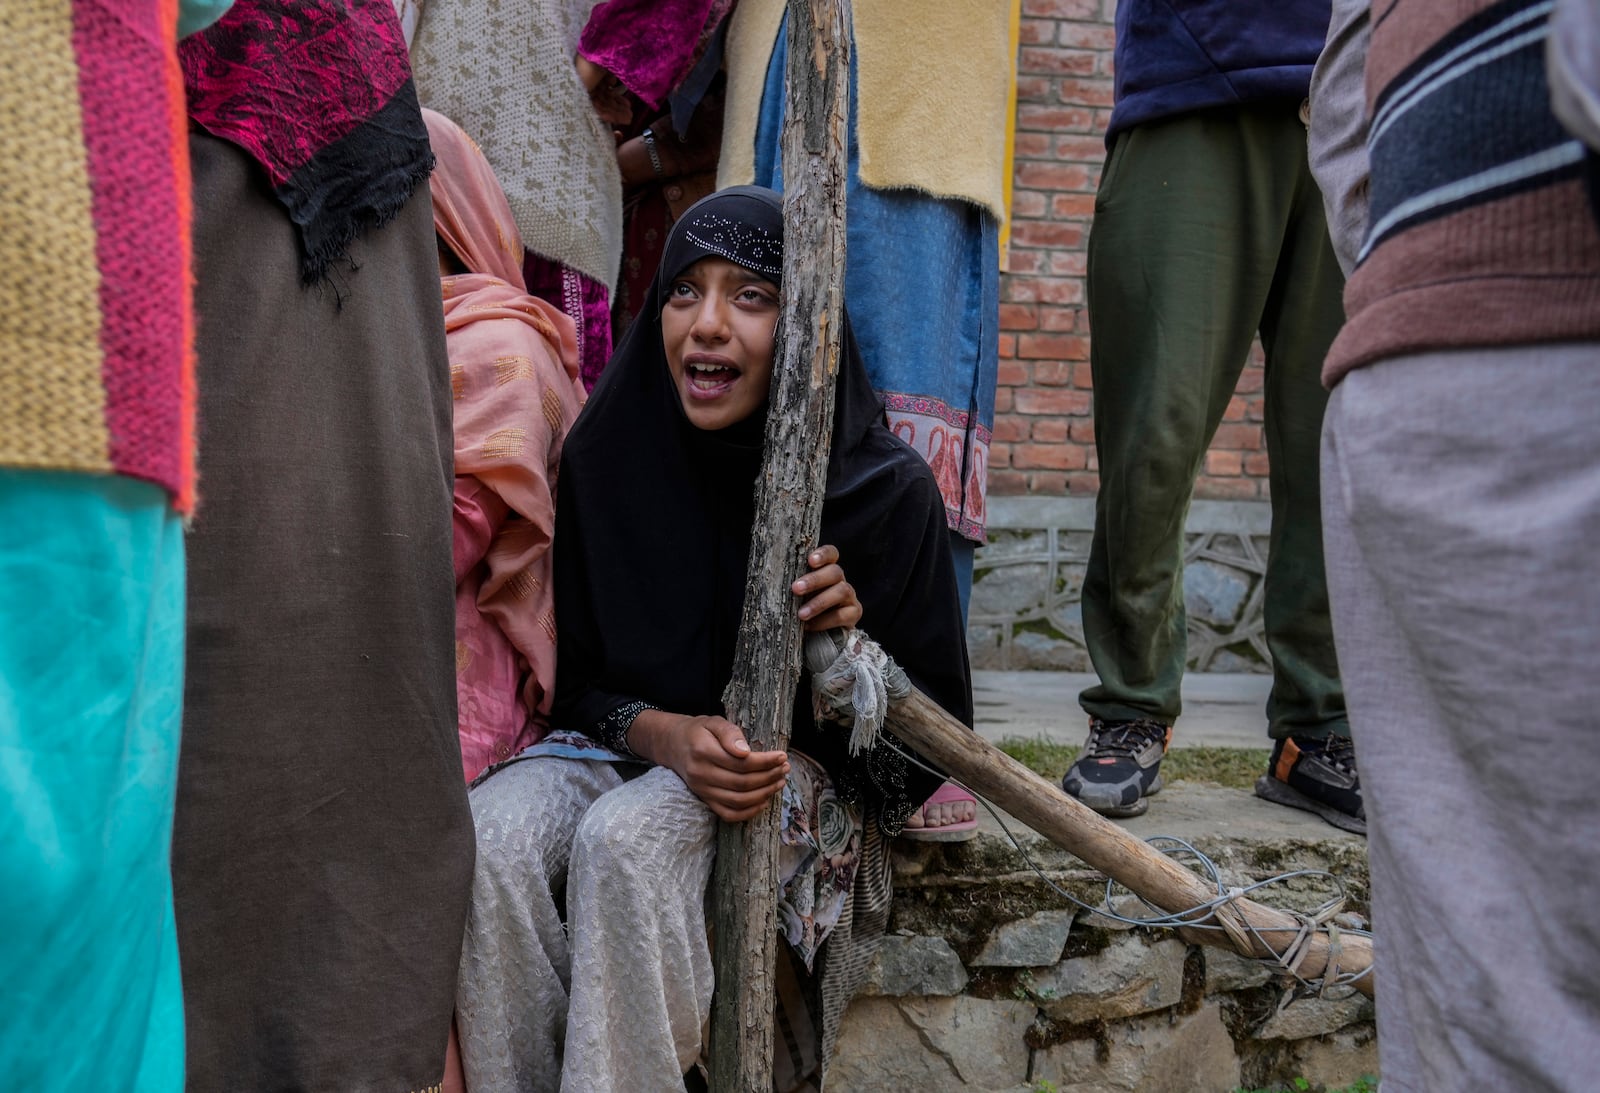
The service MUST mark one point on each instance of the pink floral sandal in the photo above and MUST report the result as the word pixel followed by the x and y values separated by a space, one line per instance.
pixel 954 832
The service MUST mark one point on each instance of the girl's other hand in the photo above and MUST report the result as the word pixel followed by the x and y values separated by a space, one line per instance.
pixel 714 760
pixel 827 600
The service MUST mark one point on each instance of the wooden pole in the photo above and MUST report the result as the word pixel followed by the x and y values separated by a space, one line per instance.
pixel 766 670
pixel 939 738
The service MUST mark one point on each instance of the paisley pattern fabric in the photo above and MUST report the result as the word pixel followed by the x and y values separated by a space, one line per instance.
pixel 819 846
pixel 319 93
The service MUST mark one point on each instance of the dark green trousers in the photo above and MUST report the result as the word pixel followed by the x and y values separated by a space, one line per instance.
pixel 1208 227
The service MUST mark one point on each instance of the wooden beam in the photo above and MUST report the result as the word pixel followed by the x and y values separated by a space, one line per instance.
pixel 1250 928
pixel 766 669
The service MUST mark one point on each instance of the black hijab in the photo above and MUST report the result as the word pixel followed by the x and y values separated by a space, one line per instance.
pixel 654 519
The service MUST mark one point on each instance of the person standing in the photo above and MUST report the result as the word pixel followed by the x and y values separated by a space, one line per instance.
pixel 96 478
pixel 1208 228
pixel 323 849
pixel 1461 509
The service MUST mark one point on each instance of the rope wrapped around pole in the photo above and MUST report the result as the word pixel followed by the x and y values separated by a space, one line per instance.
pixel 1308 947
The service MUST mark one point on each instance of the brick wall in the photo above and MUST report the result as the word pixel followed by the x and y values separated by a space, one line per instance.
pixel 1044 431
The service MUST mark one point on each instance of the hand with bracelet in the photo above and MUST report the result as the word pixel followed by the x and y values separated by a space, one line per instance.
pixel 711 753
pixel 659 153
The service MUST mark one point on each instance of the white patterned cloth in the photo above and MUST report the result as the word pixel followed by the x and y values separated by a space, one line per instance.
pixel 617 996
pixel 503 71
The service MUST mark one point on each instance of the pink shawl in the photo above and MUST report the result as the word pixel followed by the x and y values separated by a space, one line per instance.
pixel 513 373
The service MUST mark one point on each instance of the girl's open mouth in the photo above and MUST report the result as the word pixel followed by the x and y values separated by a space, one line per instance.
pixel 708 381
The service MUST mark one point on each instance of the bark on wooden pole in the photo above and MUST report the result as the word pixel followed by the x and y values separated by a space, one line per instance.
pixel 939 738
pixel 767 666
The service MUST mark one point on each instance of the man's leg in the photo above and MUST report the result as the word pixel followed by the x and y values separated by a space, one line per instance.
pixel 1462 505
pixel 1313 766
pixel 1189 224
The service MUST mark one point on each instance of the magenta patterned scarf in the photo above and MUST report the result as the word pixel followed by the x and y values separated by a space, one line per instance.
pixel 319 93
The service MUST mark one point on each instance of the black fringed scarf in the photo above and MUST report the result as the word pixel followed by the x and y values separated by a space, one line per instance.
pixel 319 93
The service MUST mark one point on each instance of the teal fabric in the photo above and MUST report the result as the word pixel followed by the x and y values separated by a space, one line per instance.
pixel 196 15
pixel 91 688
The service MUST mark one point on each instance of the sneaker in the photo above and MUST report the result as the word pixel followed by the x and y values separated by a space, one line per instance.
pixel 1317 775
pixel 1119 767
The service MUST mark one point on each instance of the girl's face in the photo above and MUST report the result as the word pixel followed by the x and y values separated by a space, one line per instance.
pixel 717 329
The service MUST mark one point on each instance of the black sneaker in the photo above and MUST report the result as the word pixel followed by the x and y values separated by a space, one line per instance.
pixel 1119 767
pixel 1318 775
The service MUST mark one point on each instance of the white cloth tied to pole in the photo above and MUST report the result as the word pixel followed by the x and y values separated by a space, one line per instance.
pixel 853 681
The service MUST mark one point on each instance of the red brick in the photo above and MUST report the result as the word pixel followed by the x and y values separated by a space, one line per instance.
pixel 1087 149
pixel 1090 91
pixel 1257 465
pixel 1039 32
pixel 1046 233
pixel 1047 483
pixel 1250 381
pixel 1033 146
pixel 1013 373
pixel 1083 374
pixel 1024 261
pixel 1008 428
pixel 1224 463
pixel 1058 319
pixel 1053 118
pixel 1057 347
pixel 1019 317
pixel 1047 373
pixel 1087 35
pixel 1057 62
pixel 1256 409
pixel 1083 485
pixel 1007 483
pixel 1003 400
pixel 1055 457
pixel 1008 345
pixel 1054 401
pixel 1072 263
pixel 1034 89
pixel 1238 437
pixel 1029 203
pixel 1235 410
pixel 999 455
pixel 1062 9
pixel 1052 176
pixel 1081 430
pixel 1072 205
pixel 1227 489
pixel 1049 430
pixel 1044 290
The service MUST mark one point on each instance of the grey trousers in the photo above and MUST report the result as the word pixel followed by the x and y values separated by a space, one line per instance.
pixel 1461 496
pixel 615 997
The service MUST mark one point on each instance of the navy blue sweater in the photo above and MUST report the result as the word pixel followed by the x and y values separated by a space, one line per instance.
pixel 1174 56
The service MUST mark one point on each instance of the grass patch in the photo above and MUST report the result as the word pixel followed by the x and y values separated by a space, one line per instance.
pixel 1237 768
pixel 1300 1085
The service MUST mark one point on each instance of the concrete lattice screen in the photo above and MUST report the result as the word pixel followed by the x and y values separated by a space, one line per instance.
pixel 1029 579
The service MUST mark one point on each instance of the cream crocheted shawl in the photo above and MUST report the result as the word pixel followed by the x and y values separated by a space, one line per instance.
pixel 503 71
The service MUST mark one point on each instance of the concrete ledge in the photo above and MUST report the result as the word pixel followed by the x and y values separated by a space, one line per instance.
pixel 991 981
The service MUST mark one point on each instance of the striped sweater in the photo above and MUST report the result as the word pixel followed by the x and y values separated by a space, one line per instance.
pixel 1479 231
pixel 95 323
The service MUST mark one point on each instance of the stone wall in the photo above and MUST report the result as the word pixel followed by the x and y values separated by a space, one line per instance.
pixel 1028 579
pixel 1044 433
pixel 990 981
